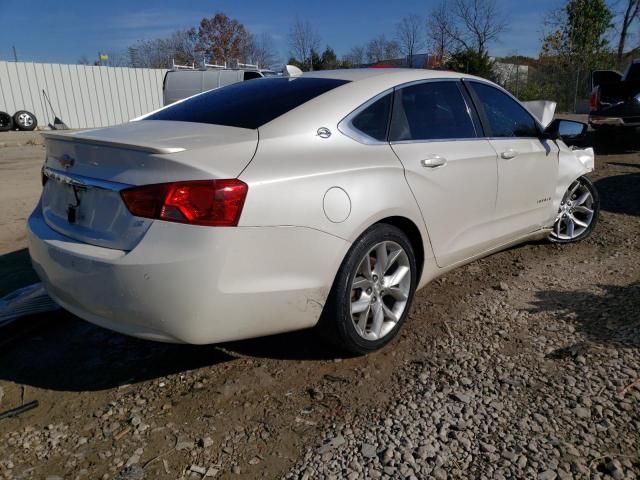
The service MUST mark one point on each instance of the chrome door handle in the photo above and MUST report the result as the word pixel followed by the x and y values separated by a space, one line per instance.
pixel 433 161
pixel 509 154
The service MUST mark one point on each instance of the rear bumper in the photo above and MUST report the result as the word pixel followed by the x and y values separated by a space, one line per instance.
pixel 191 284
pixel 611 121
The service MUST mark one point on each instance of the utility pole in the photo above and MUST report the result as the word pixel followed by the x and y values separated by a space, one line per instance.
pixel 575 96
pixel 15 54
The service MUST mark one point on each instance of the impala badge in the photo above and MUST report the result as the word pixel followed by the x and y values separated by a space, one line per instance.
pixel 67 161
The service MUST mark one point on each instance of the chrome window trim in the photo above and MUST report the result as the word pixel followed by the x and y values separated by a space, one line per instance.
pixel 82 182
pixel 438 140
pixel 345 126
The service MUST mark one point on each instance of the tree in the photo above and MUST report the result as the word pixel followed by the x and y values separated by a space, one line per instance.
pixel 180 47
pixel 355 57
pixel 578 33
pixel 303 39
pixel 260 50
pixel 379 49
pixel 576 44
pixel 631 13
pixel 439 24
pixel 295 62
pixel 472 62
pixel 476 23
pixel 183 45
pixel 222 39
pixel 315 61
pixel 410 36
pixel 328 59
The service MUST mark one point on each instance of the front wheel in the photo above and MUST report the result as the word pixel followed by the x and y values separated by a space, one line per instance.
pixel 372 292
pixel 578 212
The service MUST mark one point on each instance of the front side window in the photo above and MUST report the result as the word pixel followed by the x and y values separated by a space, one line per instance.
pixel 430 111
pixel 248 104
pixel 506 117
pixel 373 120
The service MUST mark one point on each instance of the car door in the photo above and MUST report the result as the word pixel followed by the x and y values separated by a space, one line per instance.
pixel 527 163
pixel 450 168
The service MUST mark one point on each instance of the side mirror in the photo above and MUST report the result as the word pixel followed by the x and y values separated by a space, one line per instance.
pixel 569 131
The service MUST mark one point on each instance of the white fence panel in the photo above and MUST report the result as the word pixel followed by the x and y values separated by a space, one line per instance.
pixel 82 96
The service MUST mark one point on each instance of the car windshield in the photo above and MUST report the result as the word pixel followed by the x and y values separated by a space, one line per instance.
pixel 248 104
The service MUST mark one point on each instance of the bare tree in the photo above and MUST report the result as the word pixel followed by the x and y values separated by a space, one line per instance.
pixel 303 39
pixel 355 57
pixel 439 24
pixel 379 49
pixel 261 50
pixel 410 36
pixel 180 47
pixel 183 45
pixel 631 13
pixel 475 23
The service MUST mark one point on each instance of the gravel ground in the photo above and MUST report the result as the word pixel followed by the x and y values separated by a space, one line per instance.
pixel 525 364
pixel 538 376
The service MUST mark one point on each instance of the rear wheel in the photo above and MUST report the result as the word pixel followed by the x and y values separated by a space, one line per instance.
pixel 578 212
pixel 373 290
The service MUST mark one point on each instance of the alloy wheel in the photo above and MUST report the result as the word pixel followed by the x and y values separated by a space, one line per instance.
pixel 380 290
pixel 25 119
pixel 576 212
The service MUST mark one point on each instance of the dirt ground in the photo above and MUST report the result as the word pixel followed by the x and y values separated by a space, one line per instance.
pixel 251 409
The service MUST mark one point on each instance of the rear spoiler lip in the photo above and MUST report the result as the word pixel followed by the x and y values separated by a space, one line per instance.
pixel 66 137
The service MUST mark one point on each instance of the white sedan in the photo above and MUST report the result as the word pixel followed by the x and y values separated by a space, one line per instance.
pixel 279 204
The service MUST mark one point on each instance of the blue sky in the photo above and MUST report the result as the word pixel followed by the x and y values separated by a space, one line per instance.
pixel 65 30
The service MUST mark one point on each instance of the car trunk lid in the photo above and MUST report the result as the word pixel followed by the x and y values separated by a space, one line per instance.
pixel 85 172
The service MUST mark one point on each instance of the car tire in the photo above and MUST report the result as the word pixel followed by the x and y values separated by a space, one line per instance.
pixel 25 120
pixel 368 305
pixel 578 212
pixel 6 122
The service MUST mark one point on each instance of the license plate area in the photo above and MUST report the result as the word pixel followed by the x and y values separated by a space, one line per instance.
pixel 91 211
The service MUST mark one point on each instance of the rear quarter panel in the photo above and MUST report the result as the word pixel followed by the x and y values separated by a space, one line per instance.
pixel 289 177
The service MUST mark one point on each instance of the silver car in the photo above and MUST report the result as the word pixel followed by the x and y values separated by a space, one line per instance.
pixel 324 199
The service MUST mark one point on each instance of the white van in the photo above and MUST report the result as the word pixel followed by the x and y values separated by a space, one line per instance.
pixel 183 83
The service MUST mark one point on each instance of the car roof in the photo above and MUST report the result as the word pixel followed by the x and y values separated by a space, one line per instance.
pixel 358 74
pixel 362 84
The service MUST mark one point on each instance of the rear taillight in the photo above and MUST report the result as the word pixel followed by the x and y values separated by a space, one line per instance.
pixel 593 100
pixel 215 203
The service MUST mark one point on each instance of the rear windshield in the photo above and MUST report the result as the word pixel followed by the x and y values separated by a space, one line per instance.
pixel 248 104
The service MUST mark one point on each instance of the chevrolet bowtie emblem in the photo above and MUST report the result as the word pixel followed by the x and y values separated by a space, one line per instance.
pixel 67 161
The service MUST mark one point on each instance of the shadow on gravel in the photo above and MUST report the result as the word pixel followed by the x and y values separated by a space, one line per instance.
pixel 65 353
pixel 609 317
pixel 620 193
pixel 15 271
pixel 300 345
pixel 62 352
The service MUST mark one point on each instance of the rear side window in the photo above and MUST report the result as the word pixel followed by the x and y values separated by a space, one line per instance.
pixel 431 111
pixel 373 120
pixel 248 104
pixel 506 117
